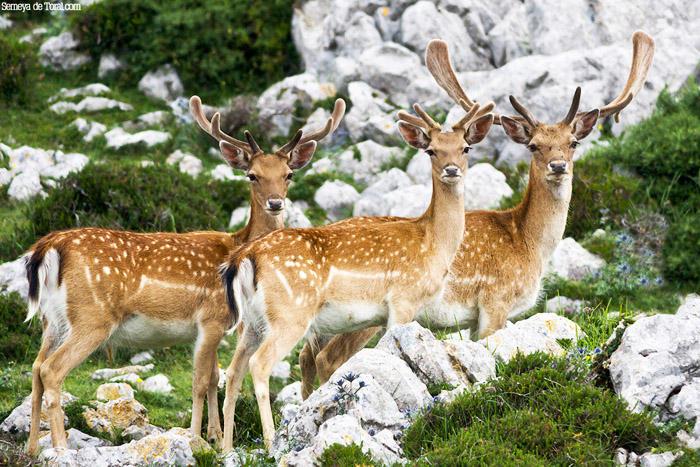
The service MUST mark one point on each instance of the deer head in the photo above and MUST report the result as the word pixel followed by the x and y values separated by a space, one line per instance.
pixel 269 173
pixel 553 145
pixel 447 149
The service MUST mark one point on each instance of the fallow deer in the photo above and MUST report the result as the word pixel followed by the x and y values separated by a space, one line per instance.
pixel 498 270
pixel 313 282
pixel 93 286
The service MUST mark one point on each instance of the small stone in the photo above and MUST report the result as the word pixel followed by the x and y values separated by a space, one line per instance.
pixel 132 378
pixel 18 422
pixel 90 130
pixel 162 84
pixel 112 391
pixel 109 64
pixel 290 394
pixel 156 384
pixel 118 138
pixel 76 440
pixel 281 370
pixel 115 415
pixel 107 373
pixel 571 261
pixel 90 105
pixel 564 304
pixel 141 357
pixel 94 89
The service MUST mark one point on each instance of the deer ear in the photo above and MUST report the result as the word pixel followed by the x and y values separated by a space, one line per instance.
pixel 479 129
pixel 516 130
pixel 414 135
pixel 236 158
pixel 301 155
pixel 584 124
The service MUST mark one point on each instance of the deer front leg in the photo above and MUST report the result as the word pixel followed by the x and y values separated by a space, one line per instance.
pixel 204 359
pixel 214 434
pixel 339 349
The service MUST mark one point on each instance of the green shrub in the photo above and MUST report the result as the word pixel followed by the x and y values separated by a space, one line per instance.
pixel 216 46
pixel 156 198
pixel 18 340
pixel 338 455
pixel 682 249
pixel 539 412
pixel 17 80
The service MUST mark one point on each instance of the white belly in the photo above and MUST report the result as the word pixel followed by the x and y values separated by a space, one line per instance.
pixel 448 315
pixel 142 331
pixel 337 318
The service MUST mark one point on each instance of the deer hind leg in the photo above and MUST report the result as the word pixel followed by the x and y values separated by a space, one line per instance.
pixel 214 433
pixel 307 363
pixel 247 344
pixel 492 317
pixel 277 343
pixel 210 335
pixel 84 338
pixel 339 349
pixel 38 392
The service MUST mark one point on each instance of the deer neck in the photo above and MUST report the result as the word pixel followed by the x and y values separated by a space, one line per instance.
pixel 542 213
pixel 444 219
pixel 260 223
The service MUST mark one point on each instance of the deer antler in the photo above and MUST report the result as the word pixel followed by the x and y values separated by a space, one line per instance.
pixel 437 59
pixel 330 126
pixel 642 56
pixel 573 109
pixel 213 128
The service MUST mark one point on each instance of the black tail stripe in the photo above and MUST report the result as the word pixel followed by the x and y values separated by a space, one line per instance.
pixel 33 263
pixel 228 275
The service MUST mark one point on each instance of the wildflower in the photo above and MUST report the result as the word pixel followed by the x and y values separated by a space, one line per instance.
pixel 350 377
pixel 643 281
pixel 597 350
pixel 581 350
pixel 623 238
pixel 659 280
pixel 298 448
pixel 362 384
pixel 339 383
pixel 624 268
pixel 336 398
pixel 371 432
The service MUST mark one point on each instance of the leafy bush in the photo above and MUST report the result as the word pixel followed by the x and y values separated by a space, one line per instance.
pixel 539 412
pixel 663 153
pixel 19 64
pixel 18 340
pixel 156 198
pixel 338 455
pixel 216 46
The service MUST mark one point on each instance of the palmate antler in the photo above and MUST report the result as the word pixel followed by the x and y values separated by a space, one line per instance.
pixel 437 59
pixel 251 147
pixel 642 57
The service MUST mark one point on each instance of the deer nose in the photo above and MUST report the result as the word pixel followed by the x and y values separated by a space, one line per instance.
pixel 275 204
pixel 451 171
pixel 558 167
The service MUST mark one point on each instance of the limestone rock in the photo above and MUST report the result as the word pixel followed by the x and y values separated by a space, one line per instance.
pixel 89 129
pixel 141 357
pixel 94 89
pixel 571 261
pixel 18 422
pixel 60 53
pixel 536 334
pixel 484 187
pixel 174 447
pixel 565 304
pixel 109 64
pixel 90 105
pixel 13 277
pixel 24 186
pixel 159 384
pixel 436 362
pixel 76 440
pixel 366 160
pixel 116 415
pixel 108 373
pixel 281 370
pixel 336 198
pixel 290 394
pixel 118 138
pixel 112 391
pixel 391 373
pixel 162 84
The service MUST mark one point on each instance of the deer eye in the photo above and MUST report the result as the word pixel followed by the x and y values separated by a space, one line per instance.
pixel 466 149
pixel 252 178
pixel 574 144
pixel 290 176
pixel 430 152
pixel 532 147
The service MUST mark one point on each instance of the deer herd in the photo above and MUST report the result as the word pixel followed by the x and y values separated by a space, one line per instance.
pixel 334 286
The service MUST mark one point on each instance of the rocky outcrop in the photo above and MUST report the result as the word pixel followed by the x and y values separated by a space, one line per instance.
pixel 572 261
pixel 162 84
